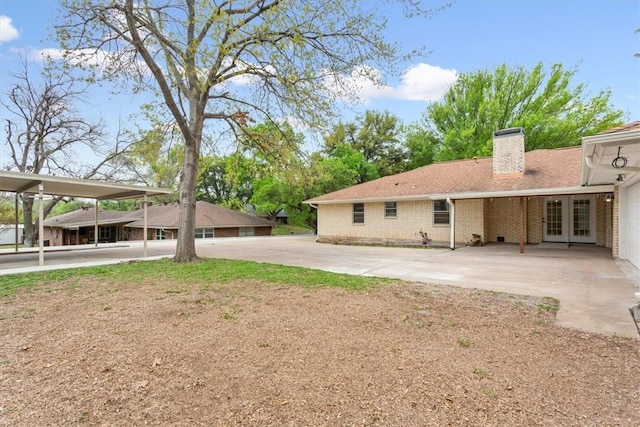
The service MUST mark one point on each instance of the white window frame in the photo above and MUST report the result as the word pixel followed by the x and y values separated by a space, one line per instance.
pixel 438 212
pixel 390 207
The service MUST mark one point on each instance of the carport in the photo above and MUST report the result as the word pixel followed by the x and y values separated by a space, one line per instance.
pixel 41 185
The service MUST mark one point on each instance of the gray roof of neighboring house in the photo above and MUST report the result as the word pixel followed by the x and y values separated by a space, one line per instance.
pixel 166 215
pixel 162 215
pixel 87 217
pixel 544 169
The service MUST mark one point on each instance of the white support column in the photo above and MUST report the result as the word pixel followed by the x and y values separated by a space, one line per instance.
pixel 452 221
pixel 95 227
pixel 16 222
pixel 145 226
pixel 41 225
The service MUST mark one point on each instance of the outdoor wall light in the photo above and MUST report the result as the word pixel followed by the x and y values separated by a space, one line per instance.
pixel 608 197
pixel 620 177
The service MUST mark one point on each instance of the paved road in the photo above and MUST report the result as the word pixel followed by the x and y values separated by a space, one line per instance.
pixel 595 292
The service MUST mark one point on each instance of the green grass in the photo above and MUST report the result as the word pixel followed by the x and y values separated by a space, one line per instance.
pixel 281 230
pixel 201 273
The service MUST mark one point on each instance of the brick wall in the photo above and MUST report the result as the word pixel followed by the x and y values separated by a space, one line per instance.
pixel 534 220
pixel 335 223
pixel 226 232
pixel 503 218
pixel 263 231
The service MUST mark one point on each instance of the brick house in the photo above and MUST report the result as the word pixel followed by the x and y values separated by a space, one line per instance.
pixel 513 197
pixel 211 221
pixel 78 227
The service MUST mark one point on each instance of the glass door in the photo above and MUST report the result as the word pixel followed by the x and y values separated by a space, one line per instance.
pixel 554 220
pixel 569 219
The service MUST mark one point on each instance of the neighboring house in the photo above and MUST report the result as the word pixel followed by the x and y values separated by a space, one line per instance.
pixel 211 221
pixel 78 227
pixel 8 234
pixel 512 197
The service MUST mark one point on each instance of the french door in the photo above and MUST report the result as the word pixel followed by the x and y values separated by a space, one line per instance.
pixel 569 219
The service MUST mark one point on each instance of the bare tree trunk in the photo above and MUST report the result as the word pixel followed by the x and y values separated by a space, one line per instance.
pixel 186 246
pixel 30 232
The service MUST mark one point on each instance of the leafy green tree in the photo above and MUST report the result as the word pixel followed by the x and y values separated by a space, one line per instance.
pixel 553 111
pixel 7 210
pixel 156 157
pixel 421 146
pixel 66 205
pixel 226 181
pixel 229 61
pixel 376 136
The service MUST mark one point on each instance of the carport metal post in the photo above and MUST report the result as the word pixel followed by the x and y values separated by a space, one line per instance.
pixel 41 225
pixel 16 222
pixel 95 226
pixel 144 226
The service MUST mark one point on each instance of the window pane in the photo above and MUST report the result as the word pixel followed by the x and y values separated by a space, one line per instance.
pixel 440 212
pixel 358 213
pixel 581 218
pixel 390 209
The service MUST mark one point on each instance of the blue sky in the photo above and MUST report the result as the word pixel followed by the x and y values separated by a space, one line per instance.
pixel 596 37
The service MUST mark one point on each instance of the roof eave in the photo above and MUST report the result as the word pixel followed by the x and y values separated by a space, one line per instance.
pixel 473 195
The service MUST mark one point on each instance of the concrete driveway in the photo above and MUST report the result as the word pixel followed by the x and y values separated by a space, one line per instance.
pixel 595 292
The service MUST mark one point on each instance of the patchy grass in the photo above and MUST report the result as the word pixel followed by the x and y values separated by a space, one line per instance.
pixel 202 273
pixel 282 230
pixel 549 304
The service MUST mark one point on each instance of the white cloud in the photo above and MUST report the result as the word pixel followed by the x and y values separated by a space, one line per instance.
pixel 424 82
pixel 7 31
pixel 420 82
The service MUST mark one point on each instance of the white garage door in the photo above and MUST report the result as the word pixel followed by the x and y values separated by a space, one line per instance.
pixel 632 226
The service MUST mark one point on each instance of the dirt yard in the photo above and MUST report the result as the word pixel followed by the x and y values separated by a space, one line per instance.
pixel 248 354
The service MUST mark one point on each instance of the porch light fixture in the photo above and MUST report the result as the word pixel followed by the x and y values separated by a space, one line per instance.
pixel 620 177
pixel 608 197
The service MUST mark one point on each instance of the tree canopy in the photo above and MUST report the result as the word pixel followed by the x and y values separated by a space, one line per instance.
pixel 553 110
pixel 229 61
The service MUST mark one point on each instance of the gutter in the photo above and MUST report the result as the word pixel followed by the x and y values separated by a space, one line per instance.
pixel 610 168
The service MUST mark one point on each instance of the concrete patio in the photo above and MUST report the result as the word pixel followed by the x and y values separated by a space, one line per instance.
pixel 595 291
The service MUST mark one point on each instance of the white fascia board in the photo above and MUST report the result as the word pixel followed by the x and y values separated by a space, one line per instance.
pixel 370 200
pixel 613 139
pixel 527 193
pixel 478 195
pixel 590 146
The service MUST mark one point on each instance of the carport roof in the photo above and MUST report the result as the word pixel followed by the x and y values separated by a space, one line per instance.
pixel 18 182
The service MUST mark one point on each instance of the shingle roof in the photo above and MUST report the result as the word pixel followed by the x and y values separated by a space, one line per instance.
pixel 624 128
pixel 207 215
pixel 558 168
pixel 83 217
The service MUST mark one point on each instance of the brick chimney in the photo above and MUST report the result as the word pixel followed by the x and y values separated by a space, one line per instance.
pixel 508 153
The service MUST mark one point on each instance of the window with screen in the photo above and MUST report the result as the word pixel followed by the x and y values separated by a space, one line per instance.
pixel 390 210
pixel 440 212
pixel 358 213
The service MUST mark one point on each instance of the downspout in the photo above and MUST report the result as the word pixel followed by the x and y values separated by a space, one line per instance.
pixel 452 238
